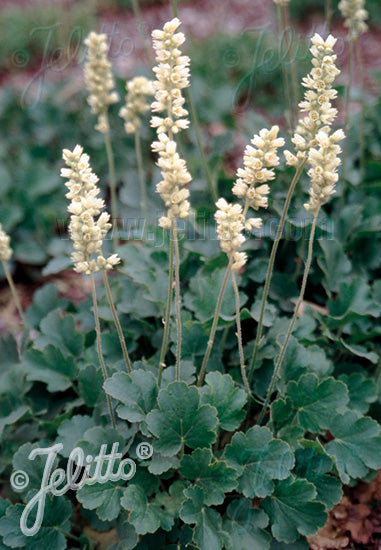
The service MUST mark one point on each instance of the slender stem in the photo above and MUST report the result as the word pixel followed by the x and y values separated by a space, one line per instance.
pixel 239 335
pixel 117 322
pixel 346 123
pixel 142 180
pixel 139 20
pixel 114 204
pixel 214 324
pixel 174 7
pixel 168 310
pixel 328 15
pixel 291 62
pixel 293 320
pixel 178 301
pixel 271 265
pixel 99 344
pixel 14 291
pixel 281 31
pixel 362 115
pixel 196 125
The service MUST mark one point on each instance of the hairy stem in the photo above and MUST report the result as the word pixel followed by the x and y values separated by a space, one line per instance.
pixel 142 180
pixel 117 322
pixel 214 324
pixel 114 204
pixel 239 335
pixel 270 267
pixel 99 345
pixel 293 320
pixel 164 344
pixel 177 300
pixel 14 292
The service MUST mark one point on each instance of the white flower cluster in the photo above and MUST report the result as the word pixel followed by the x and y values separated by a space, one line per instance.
pixel 172 75
pixel 175 177
pixel 355 16
pixel 138 89
pixel 5 249
pixel 317 98
pixel 99 79
pixel 258 162
pixel 86 233
pixel 230 225
pixel 324 161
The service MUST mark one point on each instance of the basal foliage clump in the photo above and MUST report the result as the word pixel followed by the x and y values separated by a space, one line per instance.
pixel 255 419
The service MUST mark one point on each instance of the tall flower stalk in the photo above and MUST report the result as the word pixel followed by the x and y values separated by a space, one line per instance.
pixel 100 84
pixel 324 161
pixel 87 234
pixel 138 90
pixel 319 112
pixel 6 253
pixel 172 76
pixel 251 186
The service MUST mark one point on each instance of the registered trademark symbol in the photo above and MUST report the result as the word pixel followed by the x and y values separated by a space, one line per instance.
pixel 144 451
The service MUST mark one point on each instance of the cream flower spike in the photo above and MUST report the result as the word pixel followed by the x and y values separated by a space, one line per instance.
pixel 281 2
pixel 324 161
pixel 230 227
pixel 317 99
pixel 258 161
pixel 86 232
pixel 138 90
pixel 172 76
pixel 355 15
pixel 6 251
pixel 99 79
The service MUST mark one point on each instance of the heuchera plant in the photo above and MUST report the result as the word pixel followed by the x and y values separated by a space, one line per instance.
pixel 253 439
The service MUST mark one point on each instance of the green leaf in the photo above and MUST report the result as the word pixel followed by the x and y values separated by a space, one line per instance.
pixel 309 403
pixel 203 292
pixel 90 382
pixel 160 464
pixel 356 447
pixel 222 393
pixel 59 329
pixel 180 420
pixel 360 351
pixel 315 467
pixel 208 532
pixel 57 514
pixel 34 468
pixel 126 536
pixel 137 393
pixel 105 498
pixel 299 360
pixel 335 265
pixel 259 459
pixel 213 476
pixel 49 367
pixel 246 526
pixel 45 299
pixel 145 516
pixel 353 301
pixel 362 391
pixel 73 430
pixel 10 412
pixel 293 511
